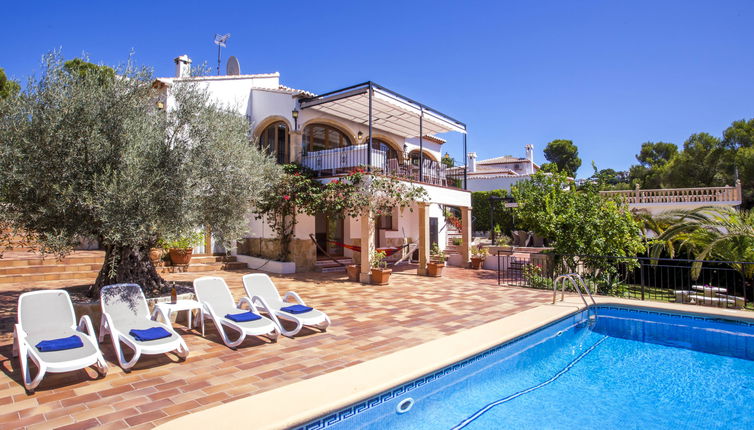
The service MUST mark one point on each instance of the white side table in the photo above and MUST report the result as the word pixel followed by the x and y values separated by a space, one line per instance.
pixel 166 309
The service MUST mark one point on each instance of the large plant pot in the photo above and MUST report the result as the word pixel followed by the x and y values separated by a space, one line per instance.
pixel 381 276
pixel 180 256
pixel 353 271
pixel 156 254
pixel 476 262
pixel 434 268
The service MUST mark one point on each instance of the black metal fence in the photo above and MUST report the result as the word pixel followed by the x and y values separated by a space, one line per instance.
pixel 704 283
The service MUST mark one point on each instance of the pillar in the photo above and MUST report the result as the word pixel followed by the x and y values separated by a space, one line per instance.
pixel 465 250
pixel 295 146
pixel 423 238
pixel 367 246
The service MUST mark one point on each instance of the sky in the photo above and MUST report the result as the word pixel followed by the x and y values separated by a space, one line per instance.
pixel 608 75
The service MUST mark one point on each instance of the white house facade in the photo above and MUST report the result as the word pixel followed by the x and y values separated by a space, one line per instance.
pixel 499 173
pixel 365 125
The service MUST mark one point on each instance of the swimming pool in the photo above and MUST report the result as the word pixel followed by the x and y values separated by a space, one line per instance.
pixel 629 368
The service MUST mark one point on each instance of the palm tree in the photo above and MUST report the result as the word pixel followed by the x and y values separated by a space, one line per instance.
pixel 710 233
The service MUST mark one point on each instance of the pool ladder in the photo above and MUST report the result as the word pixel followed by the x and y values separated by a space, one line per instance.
pixel 578 284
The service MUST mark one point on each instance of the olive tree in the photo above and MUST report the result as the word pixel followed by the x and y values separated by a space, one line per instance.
pixel 90 155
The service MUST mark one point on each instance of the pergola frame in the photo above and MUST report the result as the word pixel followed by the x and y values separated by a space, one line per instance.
pixel 396 114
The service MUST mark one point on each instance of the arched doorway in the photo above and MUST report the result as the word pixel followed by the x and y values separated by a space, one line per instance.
pixel 275 138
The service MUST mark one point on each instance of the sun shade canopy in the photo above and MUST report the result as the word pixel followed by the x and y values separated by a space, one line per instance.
pixel 391 112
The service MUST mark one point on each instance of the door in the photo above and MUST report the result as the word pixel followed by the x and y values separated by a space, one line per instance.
pixel 327 231
pixel 433 232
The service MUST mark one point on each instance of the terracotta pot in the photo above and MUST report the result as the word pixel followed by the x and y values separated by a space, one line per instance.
pixel 180 256
pixel 476 262
pixel 434 268
pixel 381 276
pixel 353 271
pixel 155 255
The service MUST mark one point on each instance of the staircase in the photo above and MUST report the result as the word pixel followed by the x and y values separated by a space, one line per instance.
pixel 20 265
pixel 327 265
pixel 452 233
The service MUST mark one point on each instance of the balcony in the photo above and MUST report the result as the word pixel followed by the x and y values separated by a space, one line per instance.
pixel 411 150
pixel 680 198
pixel 340 161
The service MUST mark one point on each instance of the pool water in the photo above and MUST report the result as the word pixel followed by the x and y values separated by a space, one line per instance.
pixel 627 369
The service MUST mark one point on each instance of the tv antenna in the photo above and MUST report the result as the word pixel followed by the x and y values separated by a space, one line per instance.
pixel 220 40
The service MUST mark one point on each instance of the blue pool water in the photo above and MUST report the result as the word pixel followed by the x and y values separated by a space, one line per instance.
pixel 629 369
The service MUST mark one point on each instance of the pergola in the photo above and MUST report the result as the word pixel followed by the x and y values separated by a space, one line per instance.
pixel 375 106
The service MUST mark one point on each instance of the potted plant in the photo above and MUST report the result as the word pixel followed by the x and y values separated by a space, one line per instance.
pixel 180 248
pixel 380 272
pixel 353 271
pixel 478 254
pixel 436 261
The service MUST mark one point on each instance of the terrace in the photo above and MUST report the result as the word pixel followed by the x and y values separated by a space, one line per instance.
pixel 366 325
pixel 680 198
pixel 382 112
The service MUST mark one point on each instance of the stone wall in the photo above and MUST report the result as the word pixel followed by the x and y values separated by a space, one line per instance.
pixel 303 251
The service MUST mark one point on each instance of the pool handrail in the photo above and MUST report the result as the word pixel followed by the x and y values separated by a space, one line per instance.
pixel 578 284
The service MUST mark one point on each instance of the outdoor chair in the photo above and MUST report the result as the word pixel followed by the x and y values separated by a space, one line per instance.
pixel 125 317
pixel 537 241
pixel 263 292
pixel 217 304
pixel 47 334
pixel 520 238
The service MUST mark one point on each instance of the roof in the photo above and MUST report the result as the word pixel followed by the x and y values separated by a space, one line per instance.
pixel 434 139
pixel 391 112
pixel 503 159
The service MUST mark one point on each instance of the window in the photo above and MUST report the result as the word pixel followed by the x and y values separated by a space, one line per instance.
pixel 275 140
pixel 381 145
pixel 320 137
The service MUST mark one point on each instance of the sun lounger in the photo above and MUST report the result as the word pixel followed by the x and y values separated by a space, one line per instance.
pixel 125 317
pixel 217 304
pixel 263 293
pixel 47 334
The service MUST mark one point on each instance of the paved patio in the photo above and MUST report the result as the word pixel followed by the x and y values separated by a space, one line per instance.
pixel 368 321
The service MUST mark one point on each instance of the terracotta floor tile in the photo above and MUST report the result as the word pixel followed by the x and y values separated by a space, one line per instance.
pixel 366 324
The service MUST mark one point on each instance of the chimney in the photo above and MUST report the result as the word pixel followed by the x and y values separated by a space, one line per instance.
pixel 182 66
pixel 471 164
pixel 530 152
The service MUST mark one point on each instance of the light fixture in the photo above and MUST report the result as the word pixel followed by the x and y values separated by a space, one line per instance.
pixel 360 136
pixel 294 114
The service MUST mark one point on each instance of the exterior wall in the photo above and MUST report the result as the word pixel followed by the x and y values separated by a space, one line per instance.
pixel 658 208
pixel 498 183
pixel 266 104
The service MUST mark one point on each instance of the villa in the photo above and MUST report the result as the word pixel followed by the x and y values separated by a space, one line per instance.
pixel 364 125
pixel 499 173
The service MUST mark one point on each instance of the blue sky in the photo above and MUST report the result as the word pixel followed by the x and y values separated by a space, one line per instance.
pixel 607 74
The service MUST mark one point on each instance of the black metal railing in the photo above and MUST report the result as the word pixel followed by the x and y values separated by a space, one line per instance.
pixel 341 161
pixel 704 283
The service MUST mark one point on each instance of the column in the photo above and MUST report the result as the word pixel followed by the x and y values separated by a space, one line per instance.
pixel 423 238
pixel 295 147
pixel 367 246
pixel 465 236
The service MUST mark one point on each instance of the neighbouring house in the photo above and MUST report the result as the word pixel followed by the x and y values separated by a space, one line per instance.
pixel 656 201
pixel 334 133
pixel 499 173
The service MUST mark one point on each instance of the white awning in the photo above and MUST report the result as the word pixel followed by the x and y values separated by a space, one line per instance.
pixel 391 112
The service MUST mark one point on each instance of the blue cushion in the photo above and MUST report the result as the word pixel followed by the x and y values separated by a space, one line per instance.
pixel 296 309
pixel 243 317
pixel 60 344
pixel 153 333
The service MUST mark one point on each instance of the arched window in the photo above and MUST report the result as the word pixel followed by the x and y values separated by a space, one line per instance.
pixel 413 156
pixel 320 137
pixel 381 145
pixel 275 140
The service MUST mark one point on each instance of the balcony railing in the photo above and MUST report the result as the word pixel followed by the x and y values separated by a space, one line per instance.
pixel 339 161
pixel 699 196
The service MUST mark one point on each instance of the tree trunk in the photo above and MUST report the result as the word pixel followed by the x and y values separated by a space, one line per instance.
pixel 128 264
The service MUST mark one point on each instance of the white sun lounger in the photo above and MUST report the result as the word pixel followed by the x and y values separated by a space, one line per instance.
pixel 47 315
pixel 213 293
pixel 263 293
pixel 124 308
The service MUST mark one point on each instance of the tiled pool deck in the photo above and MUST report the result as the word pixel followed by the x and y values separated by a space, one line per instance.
pixel 368 322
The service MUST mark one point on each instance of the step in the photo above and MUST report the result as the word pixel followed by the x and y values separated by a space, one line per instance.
pixel 203 267
pixel 330 269
pixel 32 269
pixel 201 259
pixel 53 276
pixel 34 259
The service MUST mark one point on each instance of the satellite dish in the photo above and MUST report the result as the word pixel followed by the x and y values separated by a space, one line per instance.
pixel 233 68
